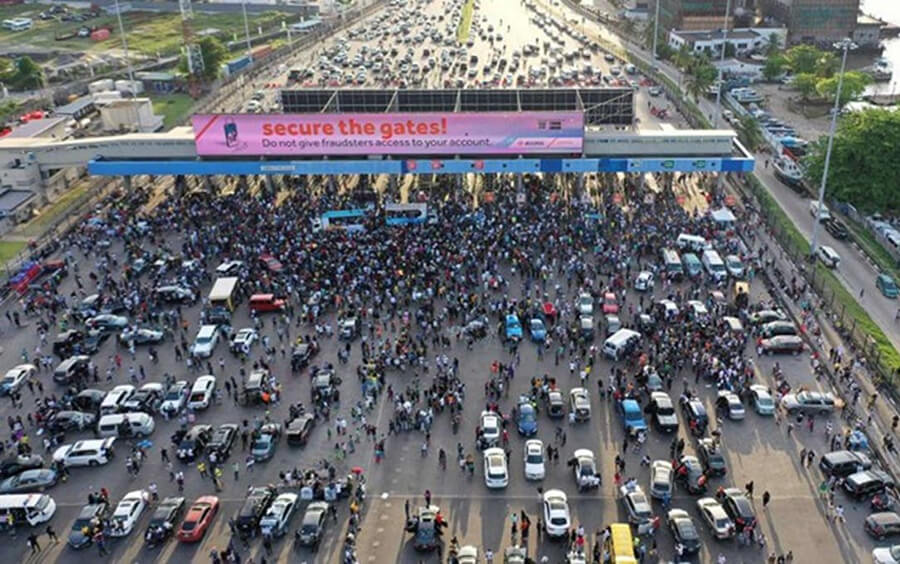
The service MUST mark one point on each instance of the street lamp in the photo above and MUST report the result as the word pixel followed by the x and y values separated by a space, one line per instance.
pixel 656 29
pixel 844 45
pixel 247 31
pixel 722 66
pixel 125 46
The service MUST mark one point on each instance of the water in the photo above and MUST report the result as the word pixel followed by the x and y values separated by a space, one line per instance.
pixel 889 11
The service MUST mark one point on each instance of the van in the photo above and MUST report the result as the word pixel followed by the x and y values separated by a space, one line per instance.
pixel 828 256
pixel 842 463
pixel 686 241
pixel 714 265
pixel 261 303
pixel 621 342
pixel 71 369
pixel 32 509
pixel 672 264
pixel 692 265
pixel 124 425
pixel 202 392
pixel 115 399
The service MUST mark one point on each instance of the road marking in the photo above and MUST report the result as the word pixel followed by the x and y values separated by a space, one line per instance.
pixel 500 497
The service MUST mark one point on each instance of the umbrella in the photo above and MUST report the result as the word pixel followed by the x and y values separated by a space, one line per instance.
pixel 357 470
pixel 146 443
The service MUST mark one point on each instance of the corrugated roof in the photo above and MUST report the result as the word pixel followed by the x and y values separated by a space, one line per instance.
pixel 12 199
pixel 76 106
pixel 35 127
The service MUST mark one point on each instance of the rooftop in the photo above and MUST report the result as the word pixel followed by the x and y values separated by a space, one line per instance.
pixel 717 35
pixel 12 199
pixel 76 106
pixel 35 127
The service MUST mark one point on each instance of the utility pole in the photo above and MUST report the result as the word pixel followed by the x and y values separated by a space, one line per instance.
pixel 656 29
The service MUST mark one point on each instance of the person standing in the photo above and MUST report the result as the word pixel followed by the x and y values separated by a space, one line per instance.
pixel 33 543
pixel 51 534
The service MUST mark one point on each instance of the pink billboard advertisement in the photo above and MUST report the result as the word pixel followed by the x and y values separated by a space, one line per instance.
pixel 494 133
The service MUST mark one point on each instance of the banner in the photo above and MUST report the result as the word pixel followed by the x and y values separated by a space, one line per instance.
pixel 493 133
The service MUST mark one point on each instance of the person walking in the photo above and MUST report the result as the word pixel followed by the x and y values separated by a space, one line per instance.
pixel 748 488
pixel 51 534
pixel 33 543
pixel 766 498
pixel 427 498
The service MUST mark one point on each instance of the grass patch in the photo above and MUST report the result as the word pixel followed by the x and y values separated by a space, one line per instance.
pixel 873 247
pixel 173 107
pixel 9 250
pixel 52 213
pixel 465 21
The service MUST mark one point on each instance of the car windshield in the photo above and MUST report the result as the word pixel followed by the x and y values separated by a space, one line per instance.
pixel 309 528
pixel 173 395
pixel 188 525
pixel 558 520
pixel 722 522
pixel 665 410
pixel 534 458
pixel 80 524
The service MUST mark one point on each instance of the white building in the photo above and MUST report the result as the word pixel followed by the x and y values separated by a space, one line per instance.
pixel 133 114
pixel 744 40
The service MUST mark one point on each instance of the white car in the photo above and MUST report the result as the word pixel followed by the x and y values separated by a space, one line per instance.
pixel 229 267
pixel 244 338
pixel 636 505
pixel 661 479
pixel 496 475
pixel 175 398
pixel 556 513
pixel 534 460
pixel 719 523
pixel 490 428
pixel 467 555
pixel 886 555
pixel 730 403
pixel 127 513
pixel 828 256
pixel 763 403
pixel 734 266
pixel 93 452
pixel 275 521
pixel 698 309
pixel 585 304
pixel 205 342
pixel 585 467
pixel 15 377
pixel 644 281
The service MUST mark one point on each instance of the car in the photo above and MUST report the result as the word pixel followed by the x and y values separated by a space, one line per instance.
pixel 162 522
pixel 244 339
pixel 107 322
pixel 66 342
pixel 585 304
pixel 636 504
pixel 782 344
pixel 644 281
pixel 683 530
pixel 490 428
pixel 263 446
pixel 198 518
pixel 882 525
pixel 836 227
pixel 526 418
pixel 556 514
pixel 665 418
pixel 20 463
pixel 275 522
pixel 192 444
pixel 348 328
pixel 610 303
pixel 534 460
pixel 67 420
pixel 730 404
pixel 887 286
pixel 271 264
pixel 205 343
pixel 661 479
pixel 632 416
pixel 146 399
pixel 774 328
pixel 175 398
pixel 584 466
pixel 842 463
pixel 580 404
pixel 127 513
pixel 689 472
pixel 828 256
pixel 91 515
pixel 496 475
pixel 556 406
pixel 808 402
pixel 536 330
pixel 313 526
pixel 886 554
pixel 739 508
pixel 735 266
pixel 299 429
pixel 92 452
pixel 861 485
pixel 762 401
pixel 15 377
pixel 549 311
pixel 142 336
pixel 222 441
pixel 175 294
pixel 655 91
pixel 229 267
pixel 720 525
pixel 711 458
pixel 764 316
pixel 512 328
pixel 34 480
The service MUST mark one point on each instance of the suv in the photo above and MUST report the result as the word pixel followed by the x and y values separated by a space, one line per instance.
pixel 254 508
pixel 222 440
pixel 739 509
pixel 842 463
pixel 695 414
pixel 711 457
pixel 193 444
pixel 206 341
pixel 92 452
pixel 865 484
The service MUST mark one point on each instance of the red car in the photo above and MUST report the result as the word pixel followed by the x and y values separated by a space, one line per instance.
pixel 609 303
pixel 549 312
pixel 271 263
pixel 262 303
pixel 198 518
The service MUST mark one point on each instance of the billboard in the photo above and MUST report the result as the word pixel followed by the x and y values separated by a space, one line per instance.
pixel 492 133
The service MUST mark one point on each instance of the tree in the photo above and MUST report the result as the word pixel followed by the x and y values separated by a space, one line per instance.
pixel 854 84
pixel 749 132
pixel 700 77
pixel 774 67
pixel 827 65
pixel 21 74
pixel 803 59
pixel 213 53
pixel 730 50
pixel 773 44
pixel 683 57
pixel 863 161
pixel 805 83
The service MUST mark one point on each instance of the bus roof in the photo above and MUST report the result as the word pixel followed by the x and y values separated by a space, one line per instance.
pixel 223 288
pixel 620 536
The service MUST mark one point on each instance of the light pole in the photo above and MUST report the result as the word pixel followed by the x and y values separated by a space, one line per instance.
pixel 655 29
pixel 124 44
pixel 845 45
pixel 722 65
pixel 247 31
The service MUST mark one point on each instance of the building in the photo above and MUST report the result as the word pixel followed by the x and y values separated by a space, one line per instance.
pixel 48 128
pixel 818 22
pixel 868 32
pixel 77 109
pixel 693 15
pixel 133 114
pixel 16 206
pixel 744 40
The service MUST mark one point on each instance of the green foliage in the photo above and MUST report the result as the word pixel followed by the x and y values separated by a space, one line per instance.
pixel 21 74
pixel 854 85
pixel 773 45
pixel 214 54
pixel 803 59
pixel 730 50
pixel 749 133
pixel 774 66
pixel 827 65
pixel 8 109
pixel 701 75
pixel 806 84
pixel 863 161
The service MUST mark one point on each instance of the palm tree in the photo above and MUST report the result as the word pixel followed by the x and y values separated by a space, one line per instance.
pixel 683 57
pixel 749 132
pixel 700 77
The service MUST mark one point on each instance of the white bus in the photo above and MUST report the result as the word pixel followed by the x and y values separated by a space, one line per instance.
pixel 17 24
pixel 32 509
pixel 405 214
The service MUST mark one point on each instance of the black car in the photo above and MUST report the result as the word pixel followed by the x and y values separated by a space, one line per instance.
pixel 88 519
pixel 739 509
pixel 65 343
pixel 64 421
pixel 299 428
pixel 695 414
pixel 93 342
pixel 842 463
pixel 683 530
pixel 88 401
pixel 162 523
pixel 192 445
pixel 258 501
pixel 16 464
pixel 218 316
pixel 145 399
pixel 313 526
pixel 867 483
pixel 711 457
pixel 222 440
pixel 837 229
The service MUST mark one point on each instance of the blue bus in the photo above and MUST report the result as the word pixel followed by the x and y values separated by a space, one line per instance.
pixel 405 214
pixel 349 220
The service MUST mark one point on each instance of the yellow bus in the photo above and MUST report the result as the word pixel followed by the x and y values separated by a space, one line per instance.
pixel 620 545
